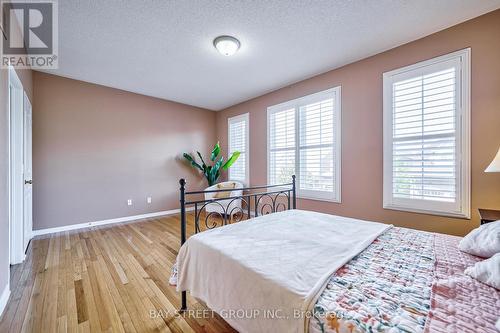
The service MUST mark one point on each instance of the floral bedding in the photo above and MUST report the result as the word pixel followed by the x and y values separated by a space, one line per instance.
pixel 406 281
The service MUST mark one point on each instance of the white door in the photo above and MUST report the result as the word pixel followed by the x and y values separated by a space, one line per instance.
pixel 28 174
pixel 16 168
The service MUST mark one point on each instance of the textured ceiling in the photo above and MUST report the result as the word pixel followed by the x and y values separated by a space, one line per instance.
pixel 164 48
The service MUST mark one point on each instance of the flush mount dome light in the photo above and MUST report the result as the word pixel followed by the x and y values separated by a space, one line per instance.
pixel 226 45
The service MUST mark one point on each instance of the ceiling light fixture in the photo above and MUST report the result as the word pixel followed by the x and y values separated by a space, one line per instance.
pixel 226 45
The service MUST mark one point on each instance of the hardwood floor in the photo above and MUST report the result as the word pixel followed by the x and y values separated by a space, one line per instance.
pixel 104 279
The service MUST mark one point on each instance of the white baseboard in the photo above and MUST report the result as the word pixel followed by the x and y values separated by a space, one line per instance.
pixel 109 221
pixel 4 298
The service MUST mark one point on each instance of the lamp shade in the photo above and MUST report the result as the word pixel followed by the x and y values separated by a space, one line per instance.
pixel 495 164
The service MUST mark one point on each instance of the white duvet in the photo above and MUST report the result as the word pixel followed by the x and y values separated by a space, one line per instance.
pixel 261 275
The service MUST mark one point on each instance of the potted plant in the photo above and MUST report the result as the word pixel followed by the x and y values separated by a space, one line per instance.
pixel 221 205
pixel 212 172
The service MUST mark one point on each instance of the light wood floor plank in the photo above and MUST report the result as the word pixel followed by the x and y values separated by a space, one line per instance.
pixel 104 279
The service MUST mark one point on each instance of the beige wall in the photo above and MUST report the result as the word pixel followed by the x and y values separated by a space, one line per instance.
pixel 362 124
pixel 95 147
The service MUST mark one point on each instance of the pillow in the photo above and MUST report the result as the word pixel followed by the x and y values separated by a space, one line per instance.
pixel 487 271
pixel 483 241
pixel 224 186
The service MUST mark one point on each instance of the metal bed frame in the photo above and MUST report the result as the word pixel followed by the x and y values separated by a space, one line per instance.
pixel 273 203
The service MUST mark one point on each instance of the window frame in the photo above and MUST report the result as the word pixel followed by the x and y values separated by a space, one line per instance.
pixel 246 118
pixel 462 140
pixel 336 146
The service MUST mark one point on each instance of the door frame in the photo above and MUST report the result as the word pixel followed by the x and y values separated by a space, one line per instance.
pixel 16 172
pixel 27 229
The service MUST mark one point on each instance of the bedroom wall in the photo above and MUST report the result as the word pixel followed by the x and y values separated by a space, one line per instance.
pixel 362 124
pixel 96 147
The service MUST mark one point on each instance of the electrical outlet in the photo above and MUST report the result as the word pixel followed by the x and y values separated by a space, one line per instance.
pixel 148 199
pixel 129 202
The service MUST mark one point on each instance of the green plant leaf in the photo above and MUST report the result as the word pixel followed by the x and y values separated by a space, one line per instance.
pixel 212 172
pixel 231 160
pixel 216 169
pixel 209 175
pixel 201 158
pixel 217 174
pixel 192 161
pixel 215 151
pixel 218 164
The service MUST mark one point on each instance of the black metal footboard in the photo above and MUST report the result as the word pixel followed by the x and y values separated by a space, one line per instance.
pixel 214 212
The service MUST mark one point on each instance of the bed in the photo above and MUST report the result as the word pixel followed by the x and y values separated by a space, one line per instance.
pixel 289 270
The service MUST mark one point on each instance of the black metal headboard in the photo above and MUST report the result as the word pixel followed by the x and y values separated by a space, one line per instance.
pixel 281 197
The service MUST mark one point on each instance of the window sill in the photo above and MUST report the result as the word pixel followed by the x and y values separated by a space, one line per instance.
pixel 318 199
pixel 465 216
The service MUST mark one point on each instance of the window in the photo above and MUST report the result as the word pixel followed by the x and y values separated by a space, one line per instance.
pixel 238 141
pixel 304 139
pixel 426 136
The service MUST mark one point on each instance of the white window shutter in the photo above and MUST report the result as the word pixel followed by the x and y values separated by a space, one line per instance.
pixel 282 146
pixel 316 146
pixel 304 139
pixel 425 150
pixel 238 141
